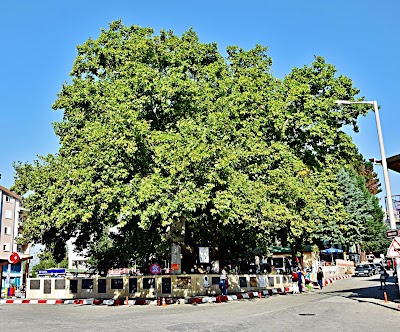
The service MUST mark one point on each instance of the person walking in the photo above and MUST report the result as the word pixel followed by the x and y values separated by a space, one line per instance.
pixel 222 282
pixel 300 280
pixel 320 277
pixel 307 280
pixel 295 283
pixel 383 275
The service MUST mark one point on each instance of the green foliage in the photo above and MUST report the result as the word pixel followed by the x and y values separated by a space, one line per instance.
pixel 362 222
pixel 375 238
pixel 162 130
pixel 47 261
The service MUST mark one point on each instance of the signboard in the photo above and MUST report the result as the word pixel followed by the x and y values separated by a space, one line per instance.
pixel 392 233
pixel 176 258
pixel 204 254
pixel 394 248
pixel 14 258
pixel 175 267
pixel 262 281
pixel 51 272
pixel 155 269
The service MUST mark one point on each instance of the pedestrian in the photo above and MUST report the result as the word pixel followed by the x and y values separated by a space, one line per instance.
pixel 222 282
pixel 383 275
pixel 320 277
pixel 300 280
pixel 307 280
pixel 295 284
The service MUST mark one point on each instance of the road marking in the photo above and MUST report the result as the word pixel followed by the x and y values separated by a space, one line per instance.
pixel 283 309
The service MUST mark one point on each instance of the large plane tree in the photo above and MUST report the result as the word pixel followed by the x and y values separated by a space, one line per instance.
pixel 164 140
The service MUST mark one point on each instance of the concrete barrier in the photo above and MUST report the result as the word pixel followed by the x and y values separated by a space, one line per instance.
pixel 190 300
pixel 181 286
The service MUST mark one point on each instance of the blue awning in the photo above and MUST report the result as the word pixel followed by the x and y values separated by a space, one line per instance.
pixel 331 251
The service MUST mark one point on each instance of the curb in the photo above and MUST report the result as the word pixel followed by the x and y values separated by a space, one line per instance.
pixel 333 279
pixel 25 301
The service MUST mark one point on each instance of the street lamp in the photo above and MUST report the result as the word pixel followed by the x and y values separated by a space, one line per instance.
pixel 383 155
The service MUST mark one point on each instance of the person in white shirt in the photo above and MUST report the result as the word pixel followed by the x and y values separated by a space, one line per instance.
pixel 222 282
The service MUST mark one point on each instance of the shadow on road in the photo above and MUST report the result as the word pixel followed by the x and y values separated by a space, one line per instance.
pixel 374 294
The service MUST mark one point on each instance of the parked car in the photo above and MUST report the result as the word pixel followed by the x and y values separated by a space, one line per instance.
pixel 364 270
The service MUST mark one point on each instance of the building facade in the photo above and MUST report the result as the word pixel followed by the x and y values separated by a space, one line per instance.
pixel 10 227
pixel 75 260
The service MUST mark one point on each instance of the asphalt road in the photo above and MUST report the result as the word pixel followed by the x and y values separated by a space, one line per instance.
pixel 354 304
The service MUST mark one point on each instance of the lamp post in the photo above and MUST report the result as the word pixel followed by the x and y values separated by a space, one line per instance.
pixel 383 156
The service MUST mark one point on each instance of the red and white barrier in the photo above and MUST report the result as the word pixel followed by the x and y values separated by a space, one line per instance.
pixel 25 301
pixel 333 279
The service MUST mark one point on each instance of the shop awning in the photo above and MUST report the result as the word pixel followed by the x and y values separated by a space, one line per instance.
pixel 393 163
pixel 331 251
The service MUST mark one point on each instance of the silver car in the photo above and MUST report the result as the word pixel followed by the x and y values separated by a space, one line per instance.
pixel 364 270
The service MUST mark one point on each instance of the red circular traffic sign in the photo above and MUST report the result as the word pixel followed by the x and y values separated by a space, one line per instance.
pixel 14 258
pixel 155 269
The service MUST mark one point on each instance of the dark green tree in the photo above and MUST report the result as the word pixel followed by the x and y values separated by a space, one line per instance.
pixel 364 221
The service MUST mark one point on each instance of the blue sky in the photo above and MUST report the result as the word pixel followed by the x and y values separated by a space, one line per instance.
pixel 39 39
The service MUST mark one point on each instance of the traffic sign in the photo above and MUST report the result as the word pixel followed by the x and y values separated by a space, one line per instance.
pixel 155 269
pixel 394 249
pixel 14 258
pixel 392 233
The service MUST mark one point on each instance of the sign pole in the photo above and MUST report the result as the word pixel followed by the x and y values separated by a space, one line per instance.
pixel 397 260
pixel 8 277
pixel 394 252
pixel 155 285
pixel 154 270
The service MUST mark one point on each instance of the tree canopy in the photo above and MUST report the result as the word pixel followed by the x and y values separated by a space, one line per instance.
pixel 164 140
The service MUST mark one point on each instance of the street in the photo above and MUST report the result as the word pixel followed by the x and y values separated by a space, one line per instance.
pixel 353 304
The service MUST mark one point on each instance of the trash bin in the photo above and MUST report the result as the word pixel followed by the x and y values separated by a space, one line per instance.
pixel 11 291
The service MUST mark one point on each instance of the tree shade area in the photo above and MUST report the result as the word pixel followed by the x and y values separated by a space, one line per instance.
pixel 163 140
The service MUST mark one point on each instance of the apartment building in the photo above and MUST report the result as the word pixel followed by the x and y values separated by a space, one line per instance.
pixel 10 226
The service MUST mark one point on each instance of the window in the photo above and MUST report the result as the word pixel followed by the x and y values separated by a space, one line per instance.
pixel 34 284
pixel 148 283
pixel 6 247
pixel 87 283
pixel 7 230
pixel 8 214
pixel 242 281
pixel 117 284
pixel 9 199
pixel 101 286
pixel 47 286
pixel 59 284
